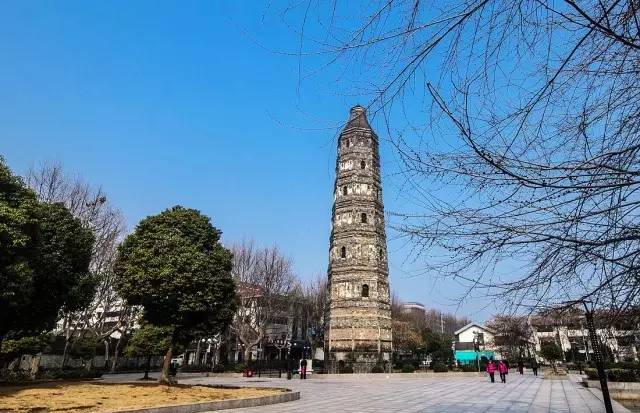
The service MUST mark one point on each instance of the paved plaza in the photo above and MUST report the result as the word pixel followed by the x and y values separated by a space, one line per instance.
pixel 355 393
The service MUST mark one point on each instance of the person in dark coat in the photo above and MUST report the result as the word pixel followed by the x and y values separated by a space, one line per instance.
pixel 534 367
pixel 303 369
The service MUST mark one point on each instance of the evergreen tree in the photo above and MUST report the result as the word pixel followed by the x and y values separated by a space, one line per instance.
pixel 175 268
pixel 44 260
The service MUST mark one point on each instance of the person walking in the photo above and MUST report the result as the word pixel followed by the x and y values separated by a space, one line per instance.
pixel 520 366
pixel 534 367
pixel 303 369
pixel 503 370
pixel 491 369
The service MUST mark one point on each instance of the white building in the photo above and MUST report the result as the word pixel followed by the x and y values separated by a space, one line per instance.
pixel 472 342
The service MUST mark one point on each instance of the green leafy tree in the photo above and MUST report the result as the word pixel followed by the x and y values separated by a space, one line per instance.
pixel 552 353
pixel 439 346
pixel 174 267
pixel 149 341
pixel 13 348
pixel 44 258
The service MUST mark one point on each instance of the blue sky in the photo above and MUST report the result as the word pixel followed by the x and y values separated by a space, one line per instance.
pixel 166 103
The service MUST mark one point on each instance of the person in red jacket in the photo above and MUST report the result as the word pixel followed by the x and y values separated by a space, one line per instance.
pixel 491 369
pixel 503 370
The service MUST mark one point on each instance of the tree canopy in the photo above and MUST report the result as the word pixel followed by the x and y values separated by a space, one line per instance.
pixel 175 268
pixel 551 351
pixel 44 259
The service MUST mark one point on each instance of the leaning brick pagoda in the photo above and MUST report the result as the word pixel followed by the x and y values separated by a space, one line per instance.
pixel 358 333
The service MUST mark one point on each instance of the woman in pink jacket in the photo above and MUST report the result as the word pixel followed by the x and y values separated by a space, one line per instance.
pixel 503 370
pixel 491 369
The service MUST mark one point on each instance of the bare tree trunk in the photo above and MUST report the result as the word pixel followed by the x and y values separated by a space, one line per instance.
pixel 116 355
pixel 197 360
pixel 35 365
pixel 67 340
pixel 247 354
pixel 65 352
pixel 106 352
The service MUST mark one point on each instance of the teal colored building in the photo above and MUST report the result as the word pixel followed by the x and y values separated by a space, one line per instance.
pixel 470 357
pixel 473 342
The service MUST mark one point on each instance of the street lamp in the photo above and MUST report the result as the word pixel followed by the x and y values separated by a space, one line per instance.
pixel 476 348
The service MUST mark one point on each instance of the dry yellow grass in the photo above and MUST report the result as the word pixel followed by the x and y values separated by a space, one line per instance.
pixel 100 397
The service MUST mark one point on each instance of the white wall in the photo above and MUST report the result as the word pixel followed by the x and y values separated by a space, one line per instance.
pixel 468 335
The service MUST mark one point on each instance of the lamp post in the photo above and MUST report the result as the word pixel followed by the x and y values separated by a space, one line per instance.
pixel 289 367
pixel 476 348
pixel 597 357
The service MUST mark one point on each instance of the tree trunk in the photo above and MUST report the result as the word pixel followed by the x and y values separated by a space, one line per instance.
pixel 147 368
pixel 247 355
pixel 165 377
pixel 67 340
pixel 197 360
pixel 166 366
pixel 34 368
pixel 116 355
pixel 106 353
pixel 65 352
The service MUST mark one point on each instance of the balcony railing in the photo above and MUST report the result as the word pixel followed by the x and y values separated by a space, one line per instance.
pixel 459 345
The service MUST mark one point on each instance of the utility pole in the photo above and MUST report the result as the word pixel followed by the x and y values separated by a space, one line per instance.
pixel 598 359
pixel 441 324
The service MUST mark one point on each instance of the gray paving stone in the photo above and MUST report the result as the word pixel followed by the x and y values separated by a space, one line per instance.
pixel 521 394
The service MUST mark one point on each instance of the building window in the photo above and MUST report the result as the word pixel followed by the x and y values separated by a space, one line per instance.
pixel 348 142
pixel 363 164
pixel 363 218
pixel 344 190
pixel 365 290
pixel 343 252
pixel 381 254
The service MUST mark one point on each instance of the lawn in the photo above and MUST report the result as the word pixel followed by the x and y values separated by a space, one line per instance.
pixel 100 397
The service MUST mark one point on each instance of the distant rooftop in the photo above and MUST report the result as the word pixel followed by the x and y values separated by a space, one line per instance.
pixel 413 304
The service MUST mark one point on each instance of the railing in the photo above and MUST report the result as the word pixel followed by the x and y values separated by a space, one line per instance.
pixel 272 368
pixel 460 345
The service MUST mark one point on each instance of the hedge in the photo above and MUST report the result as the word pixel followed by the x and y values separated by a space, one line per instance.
pixel 625 375
pixel 408 368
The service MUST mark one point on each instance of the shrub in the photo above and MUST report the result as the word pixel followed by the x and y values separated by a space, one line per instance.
pixel 220 368
pixel 592 374
pixel 238 367
pixel 378 368
pixel 630 365
pixel 622 375
pixel 346 369
pixel 192 368
pixel 440 368
pixel 615 374
pixel 70 374
pixel 13 376
pixel 408 368
pixel 468 368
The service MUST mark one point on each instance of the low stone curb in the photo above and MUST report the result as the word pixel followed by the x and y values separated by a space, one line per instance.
pixel 219 404
pixel 619 388
pixel 399 375
pixel 552 377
